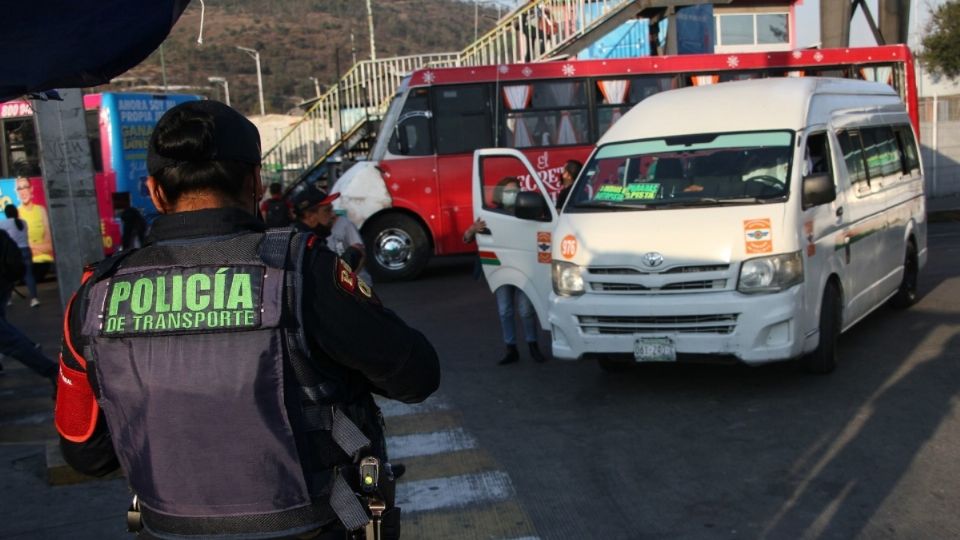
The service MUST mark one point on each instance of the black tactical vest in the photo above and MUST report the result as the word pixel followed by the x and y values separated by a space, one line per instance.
pixel 211 406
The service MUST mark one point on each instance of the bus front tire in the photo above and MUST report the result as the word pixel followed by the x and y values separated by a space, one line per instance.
pixel 823 359
pixel 397 247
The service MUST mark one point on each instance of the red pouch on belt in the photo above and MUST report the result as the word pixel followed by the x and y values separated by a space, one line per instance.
pixel 77 409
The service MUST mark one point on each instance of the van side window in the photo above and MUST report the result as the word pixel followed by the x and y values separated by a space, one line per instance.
pixel 908 149
pixel 462 122
pixel 817 155
pixel 880 147
pixel 411 137
pixel 853 157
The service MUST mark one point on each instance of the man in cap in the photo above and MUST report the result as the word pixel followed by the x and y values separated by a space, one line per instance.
pixel 315 213
pixel 208 367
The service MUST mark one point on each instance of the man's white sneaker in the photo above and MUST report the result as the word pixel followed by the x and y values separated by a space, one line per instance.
pixel 34 302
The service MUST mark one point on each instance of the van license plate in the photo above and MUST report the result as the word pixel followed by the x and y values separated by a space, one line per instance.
pixel 659 349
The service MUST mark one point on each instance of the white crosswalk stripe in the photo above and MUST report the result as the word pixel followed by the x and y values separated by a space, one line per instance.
pixel 454 491
pixel 391 408
pixel 453 488
pixel 426 444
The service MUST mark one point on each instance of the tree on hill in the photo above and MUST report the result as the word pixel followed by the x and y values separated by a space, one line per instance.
pixel 940 50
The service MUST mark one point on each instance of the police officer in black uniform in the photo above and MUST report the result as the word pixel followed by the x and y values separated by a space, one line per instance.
pixel 227 368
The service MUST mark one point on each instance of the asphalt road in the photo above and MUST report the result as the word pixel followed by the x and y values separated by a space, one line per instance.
pixel 564 450
pixel 687 451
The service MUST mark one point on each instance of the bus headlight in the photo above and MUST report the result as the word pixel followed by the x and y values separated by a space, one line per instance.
pixel 771 274
pixel 567 279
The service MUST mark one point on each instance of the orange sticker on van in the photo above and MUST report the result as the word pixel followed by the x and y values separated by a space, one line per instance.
pixel 544 243
pixel 568 246
pixel 758 235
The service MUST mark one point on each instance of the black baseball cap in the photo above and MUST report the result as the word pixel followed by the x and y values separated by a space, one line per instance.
pixel 234 138
pixel 310 196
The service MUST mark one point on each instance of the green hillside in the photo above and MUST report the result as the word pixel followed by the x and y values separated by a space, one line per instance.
pixel 297 39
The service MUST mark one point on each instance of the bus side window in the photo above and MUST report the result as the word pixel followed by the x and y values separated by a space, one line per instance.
pixel 20 145
pixel 544 113
pixel 463 118
pixel 93 135
pixel 411 135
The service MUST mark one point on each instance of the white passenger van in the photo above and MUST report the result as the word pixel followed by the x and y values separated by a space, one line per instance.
pixel 752 221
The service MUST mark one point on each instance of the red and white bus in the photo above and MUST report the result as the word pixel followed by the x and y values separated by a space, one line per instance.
pixel 118 128
pixel 412 199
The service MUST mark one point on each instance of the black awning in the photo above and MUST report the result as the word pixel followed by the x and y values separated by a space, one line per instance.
pixel 47 44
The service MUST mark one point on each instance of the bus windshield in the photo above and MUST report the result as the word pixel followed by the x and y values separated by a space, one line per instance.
pixel 688 170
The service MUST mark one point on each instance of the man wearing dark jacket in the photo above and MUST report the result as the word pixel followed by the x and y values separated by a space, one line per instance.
pixel 208 365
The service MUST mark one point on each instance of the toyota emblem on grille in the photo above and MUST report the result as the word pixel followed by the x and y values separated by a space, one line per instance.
pixel 652 259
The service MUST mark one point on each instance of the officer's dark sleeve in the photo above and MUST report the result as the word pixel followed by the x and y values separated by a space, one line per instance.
pixel 94 456
pixel 349 323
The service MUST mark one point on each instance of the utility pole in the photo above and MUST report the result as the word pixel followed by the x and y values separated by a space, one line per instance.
pixel 353 49
pixel 316 85
pixel 68 181
pixel 373 45
pixel 163 69
pixel 256 57
pixel 336 62
pixel 476 18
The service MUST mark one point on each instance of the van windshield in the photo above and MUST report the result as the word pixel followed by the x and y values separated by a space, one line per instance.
pixel 688 170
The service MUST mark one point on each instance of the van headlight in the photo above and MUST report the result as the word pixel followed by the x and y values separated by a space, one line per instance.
pixel 567 279
pixel 771 274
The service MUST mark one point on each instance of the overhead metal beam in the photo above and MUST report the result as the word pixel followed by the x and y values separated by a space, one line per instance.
pixel 835 18
pixel 894 20
pixel 836 15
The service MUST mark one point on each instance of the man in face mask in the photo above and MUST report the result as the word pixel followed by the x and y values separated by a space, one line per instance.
pixel 505 194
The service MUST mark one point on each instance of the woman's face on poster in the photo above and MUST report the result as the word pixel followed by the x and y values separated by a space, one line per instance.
pixel 24 190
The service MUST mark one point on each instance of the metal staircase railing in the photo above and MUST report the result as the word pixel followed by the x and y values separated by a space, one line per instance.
pixel 533 32
pixel 361 94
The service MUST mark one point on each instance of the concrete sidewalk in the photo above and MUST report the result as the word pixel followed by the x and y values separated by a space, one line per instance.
pixel 30 507
pixel 39 496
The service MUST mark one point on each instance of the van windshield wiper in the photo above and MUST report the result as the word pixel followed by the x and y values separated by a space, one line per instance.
pixel 711 201
pixel 610 205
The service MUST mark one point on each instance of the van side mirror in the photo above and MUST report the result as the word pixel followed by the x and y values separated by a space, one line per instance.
pixel 818 189
pixel 532 206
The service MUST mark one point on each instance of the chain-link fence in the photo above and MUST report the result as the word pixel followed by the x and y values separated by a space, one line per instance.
pixel 940 144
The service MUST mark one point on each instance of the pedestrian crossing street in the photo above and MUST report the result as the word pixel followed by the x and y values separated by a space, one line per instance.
pixel 452 488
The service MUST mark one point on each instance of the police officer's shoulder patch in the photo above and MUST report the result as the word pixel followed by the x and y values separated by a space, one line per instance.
pixel 349 282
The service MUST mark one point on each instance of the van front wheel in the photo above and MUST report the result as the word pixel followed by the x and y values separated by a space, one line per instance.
pixel 824 358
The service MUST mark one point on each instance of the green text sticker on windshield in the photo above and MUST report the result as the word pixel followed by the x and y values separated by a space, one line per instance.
pixel 642 192
pixel 610 193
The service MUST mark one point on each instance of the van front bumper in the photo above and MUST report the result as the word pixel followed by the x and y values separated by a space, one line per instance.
pixel 755 329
